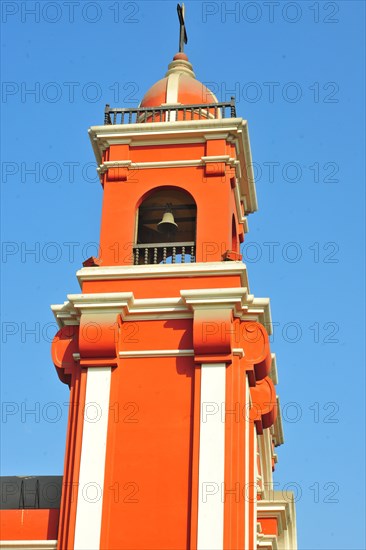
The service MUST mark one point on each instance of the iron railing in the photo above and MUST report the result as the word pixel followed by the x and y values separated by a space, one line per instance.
pixel 170 113
pixel 164 253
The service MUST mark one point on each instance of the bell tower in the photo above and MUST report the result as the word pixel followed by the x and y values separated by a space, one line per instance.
pixel 173 418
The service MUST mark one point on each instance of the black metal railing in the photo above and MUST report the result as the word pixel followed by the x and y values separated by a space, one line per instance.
pixel 170 113
pixel 164 253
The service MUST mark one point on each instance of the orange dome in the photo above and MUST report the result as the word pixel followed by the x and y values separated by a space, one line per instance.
pixel 179 86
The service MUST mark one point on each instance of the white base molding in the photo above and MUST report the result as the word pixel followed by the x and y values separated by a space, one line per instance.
pixel 28 544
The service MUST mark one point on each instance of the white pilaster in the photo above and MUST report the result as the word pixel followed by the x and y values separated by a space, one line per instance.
pixel 211 458
pixel 92 463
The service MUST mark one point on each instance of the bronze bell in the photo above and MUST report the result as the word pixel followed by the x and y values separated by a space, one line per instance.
pixel 167 224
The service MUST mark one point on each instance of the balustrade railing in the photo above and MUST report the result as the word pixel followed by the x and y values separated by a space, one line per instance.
pixel 170 113
pixel 164 253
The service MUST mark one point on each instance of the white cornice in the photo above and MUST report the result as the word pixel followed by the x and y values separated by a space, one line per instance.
pixel 209 269
pixel 285 513
pixel 151 131
pixel 122 303
pixel 65 314
pixel 218 297
pixel 244 305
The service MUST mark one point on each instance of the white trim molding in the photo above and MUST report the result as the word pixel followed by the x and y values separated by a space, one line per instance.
pixel 157 353
pixel 207 269
pixel 203 161
pixel 28 544
pixel 162 353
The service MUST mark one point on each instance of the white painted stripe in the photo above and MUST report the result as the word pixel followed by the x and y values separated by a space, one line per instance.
pixel 172 88
pixel 211 458
pixel 92 463
pixel 246 464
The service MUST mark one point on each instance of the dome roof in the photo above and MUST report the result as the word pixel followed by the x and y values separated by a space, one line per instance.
pixel 179 86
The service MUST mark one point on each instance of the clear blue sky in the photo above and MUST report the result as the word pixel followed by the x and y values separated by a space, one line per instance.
pixel 297 71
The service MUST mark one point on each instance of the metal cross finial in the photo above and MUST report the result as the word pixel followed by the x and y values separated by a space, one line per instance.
pixel 183 39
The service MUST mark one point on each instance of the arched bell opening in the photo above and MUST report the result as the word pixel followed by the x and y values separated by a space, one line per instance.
pixel 166 228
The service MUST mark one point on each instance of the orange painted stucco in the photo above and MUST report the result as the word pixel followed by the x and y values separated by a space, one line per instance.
pixel 160 288
pixel 269 526
pixel 29 524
